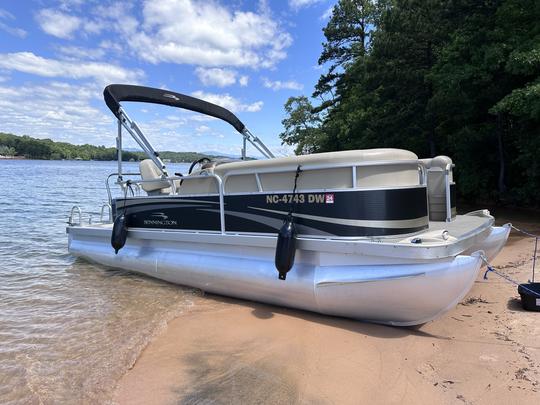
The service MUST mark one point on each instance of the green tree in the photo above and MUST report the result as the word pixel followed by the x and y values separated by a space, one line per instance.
pixel 7 150
pixel 302 125
pixel 460 78
pixel 486 66
pixel 347 39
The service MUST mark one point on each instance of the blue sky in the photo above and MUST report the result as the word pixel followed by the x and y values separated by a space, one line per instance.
pixel 248 56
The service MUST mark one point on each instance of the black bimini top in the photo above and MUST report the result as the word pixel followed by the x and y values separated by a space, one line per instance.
pixel 115 93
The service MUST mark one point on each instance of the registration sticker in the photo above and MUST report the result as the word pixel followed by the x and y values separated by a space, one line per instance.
pixel 329 198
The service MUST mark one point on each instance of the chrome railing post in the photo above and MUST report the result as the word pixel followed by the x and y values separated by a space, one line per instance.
pixel 221 203
pixel 422 174
pixel 119 148
pixel 70 220
pixel 447 187
pixel 109 210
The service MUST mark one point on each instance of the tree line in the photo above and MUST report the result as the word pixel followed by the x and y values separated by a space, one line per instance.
pixel 458 77
pixel 33 148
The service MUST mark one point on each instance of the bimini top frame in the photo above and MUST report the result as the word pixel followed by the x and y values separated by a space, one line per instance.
pixel 116 93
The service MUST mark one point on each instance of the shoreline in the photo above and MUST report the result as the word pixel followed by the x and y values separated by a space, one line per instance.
pixel 484 351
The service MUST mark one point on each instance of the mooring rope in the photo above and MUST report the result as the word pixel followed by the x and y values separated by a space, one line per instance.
pixel 536 237
pixel 504 276
pixel 294 199
pixel 515 228
pixel 128 185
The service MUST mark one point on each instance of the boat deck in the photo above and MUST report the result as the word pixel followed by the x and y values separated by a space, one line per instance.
pixel 461 226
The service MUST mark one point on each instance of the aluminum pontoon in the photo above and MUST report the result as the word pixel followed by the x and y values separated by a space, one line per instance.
pixel 375 233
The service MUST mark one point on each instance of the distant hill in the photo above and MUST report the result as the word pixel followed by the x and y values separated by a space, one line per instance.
pixel 221 154
pixel 47 149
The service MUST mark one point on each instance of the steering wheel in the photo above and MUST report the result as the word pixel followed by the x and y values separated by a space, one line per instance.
pixel 199 161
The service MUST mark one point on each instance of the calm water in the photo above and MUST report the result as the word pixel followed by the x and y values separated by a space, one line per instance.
pixel 68 329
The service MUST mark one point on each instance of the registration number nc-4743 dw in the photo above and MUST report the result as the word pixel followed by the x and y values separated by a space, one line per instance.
pixel 324 198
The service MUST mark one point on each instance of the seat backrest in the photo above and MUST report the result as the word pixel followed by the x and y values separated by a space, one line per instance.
pixel 149 171
pixel 436 185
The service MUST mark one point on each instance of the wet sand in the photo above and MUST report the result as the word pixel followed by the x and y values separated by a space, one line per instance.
pixel 485 351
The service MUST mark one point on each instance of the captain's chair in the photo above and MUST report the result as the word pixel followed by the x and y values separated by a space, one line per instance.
pixel 149 171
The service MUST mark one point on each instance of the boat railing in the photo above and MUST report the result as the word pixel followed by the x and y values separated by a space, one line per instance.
pixel 422 174
pixel 109 211
pixel 221 181
pixel 108 185
pixel 74 209
pixel 173 179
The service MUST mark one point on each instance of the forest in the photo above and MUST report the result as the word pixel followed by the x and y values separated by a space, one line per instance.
pixel 458 78
pixel 33 148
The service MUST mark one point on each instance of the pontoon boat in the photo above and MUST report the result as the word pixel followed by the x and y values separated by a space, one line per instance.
pixel 366 234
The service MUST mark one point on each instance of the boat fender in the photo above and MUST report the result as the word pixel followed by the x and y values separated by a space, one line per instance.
pixel 119 233
pixel 286 247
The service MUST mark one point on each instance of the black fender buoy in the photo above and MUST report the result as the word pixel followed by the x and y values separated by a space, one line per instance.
pixel 286 247
pixel 119 233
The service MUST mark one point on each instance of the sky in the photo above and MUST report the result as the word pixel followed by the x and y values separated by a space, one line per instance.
pixel 56 56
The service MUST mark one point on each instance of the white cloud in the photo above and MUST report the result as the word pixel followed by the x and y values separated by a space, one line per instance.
pixel 93 26
pixel 216 76
pixel 56 110
pixel 110 46
pixel 243 81
pixel 63 25
pixel 70 4
pixel 220 77
pixel 56 23
pixel 202 128
pixel 254 107
pixel 27 62
pixel 229 102
pixel 328 13
pixel 175 118
pixel 6 14
pixel 16 32
pixel 76 52
pixel 205 34
pixel 280 85
pixel 298 4
pixel 194 117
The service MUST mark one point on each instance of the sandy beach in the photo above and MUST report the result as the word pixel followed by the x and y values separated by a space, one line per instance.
pixel 485 351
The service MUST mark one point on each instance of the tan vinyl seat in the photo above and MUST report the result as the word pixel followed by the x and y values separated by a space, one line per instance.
pixel 149 171
pixel 240 175
pixel 278 174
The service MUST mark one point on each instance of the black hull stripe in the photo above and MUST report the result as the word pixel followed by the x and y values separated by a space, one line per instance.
pixel 347 213
pixel 366 223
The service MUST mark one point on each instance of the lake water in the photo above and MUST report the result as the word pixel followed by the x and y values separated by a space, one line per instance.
pixel 68 329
